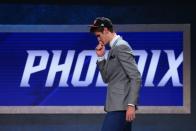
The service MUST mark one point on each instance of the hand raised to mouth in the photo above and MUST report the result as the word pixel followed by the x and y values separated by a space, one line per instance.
pixel 100 49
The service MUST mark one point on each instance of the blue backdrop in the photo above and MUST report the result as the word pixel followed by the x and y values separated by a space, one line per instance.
pixel 14 56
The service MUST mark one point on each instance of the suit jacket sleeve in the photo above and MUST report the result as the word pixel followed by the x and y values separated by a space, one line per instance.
pixel 127 61
pixel 102 68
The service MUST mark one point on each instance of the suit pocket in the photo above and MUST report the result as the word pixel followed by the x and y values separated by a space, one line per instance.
pixel 113 60
pixel 112 57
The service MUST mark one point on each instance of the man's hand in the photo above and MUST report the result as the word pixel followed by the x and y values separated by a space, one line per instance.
pixel 130 114
pixel 100 49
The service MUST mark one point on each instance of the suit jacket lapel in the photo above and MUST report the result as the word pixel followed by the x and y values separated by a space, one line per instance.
pixel 110 52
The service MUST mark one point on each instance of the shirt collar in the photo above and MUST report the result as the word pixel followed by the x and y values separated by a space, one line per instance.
pixel 113 40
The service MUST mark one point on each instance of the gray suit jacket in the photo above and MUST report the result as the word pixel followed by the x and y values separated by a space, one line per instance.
pixel 121 73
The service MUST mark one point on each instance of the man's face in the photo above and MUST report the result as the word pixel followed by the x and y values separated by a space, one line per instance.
pixel 102 37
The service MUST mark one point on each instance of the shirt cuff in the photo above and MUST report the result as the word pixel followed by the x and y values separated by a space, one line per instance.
pixel 101 58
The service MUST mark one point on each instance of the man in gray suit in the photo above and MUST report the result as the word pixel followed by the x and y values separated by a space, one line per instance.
pixel 120 71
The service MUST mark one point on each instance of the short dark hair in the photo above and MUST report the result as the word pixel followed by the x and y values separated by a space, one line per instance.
pixel 99 24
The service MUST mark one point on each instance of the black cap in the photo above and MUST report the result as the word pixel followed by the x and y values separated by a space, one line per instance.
pixel 101 22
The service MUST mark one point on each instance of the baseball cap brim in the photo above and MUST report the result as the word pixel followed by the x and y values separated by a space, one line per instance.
pixel 92 26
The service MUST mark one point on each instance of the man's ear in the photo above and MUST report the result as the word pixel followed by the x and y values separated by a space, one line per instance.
pixel 105 30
